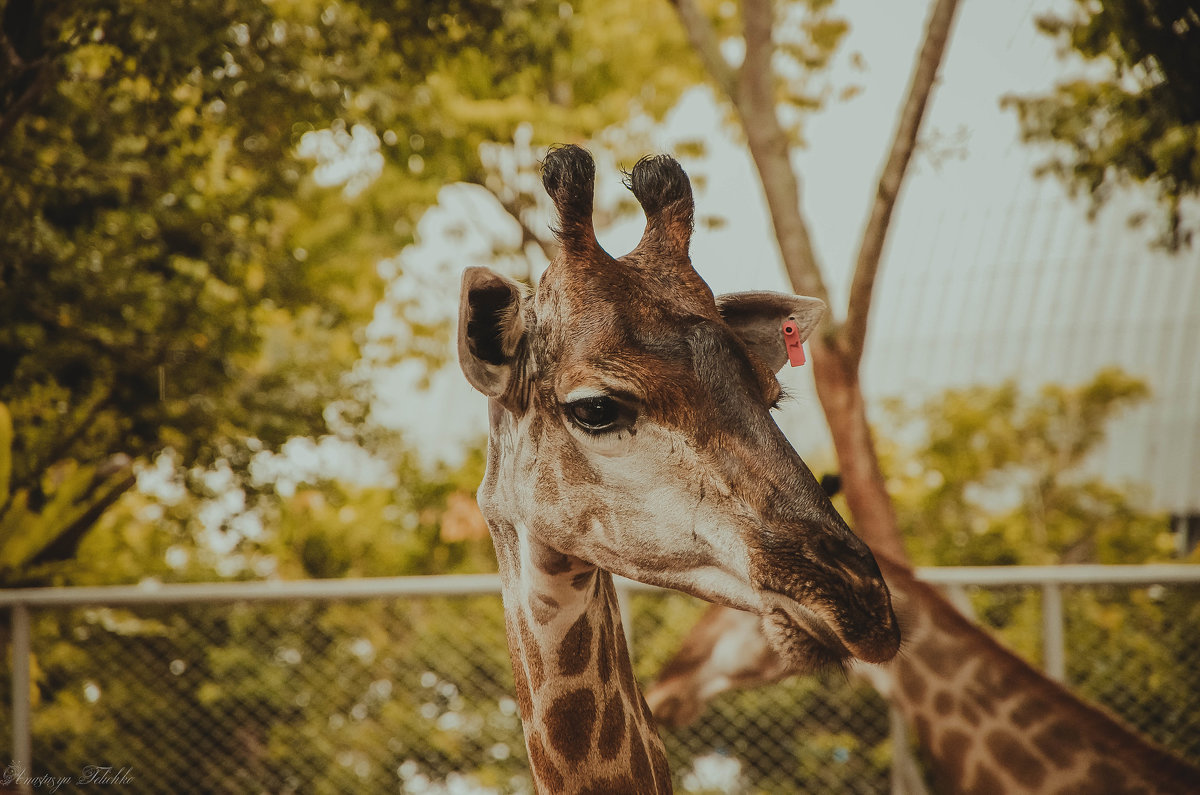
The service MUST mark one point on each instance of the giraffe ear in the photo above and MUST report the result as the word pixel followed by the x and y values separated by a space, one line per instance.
pixel 491 325
pixel 757 318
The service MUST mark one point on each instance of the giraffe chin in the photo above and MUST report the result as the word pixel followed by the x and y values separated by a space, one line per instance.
pixel 802 639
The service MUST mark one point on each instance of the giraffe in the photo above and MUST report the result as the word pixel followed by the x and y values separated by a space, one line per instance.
pixel 986 721
pixel 630 433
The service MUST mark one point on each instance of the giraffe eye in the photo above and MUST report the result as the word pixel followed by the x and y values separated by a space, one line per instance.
pixel 598 414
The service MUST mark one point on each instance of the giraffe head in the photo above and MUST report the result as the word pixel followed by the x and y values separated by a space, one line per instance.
pixel 631 426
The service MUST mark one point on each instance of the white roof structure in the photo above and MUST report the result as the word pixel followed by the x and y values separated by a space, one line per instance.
pixel 993 274
pixel 1029 290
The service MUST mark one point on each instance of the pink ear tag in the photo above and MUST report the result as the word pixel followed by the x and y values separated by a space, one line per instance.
pixel 791 337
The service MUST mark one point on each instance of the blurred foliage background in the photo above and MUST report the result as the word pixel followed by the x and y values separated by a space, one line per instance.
pixel 175 279
pixel 185 291
pixel 1136 118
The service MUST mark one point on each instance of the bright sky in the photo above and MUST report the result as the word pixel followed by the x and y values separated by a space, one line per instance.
pixel 994 50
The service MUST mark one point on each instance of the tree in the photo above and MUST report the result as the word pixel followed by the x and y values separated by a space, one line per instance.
pixel 1000 478
pixel 1140 121
pixel 282 695
pixel 1079 524
pixel 173 275
pixel 143 171
pixel 837 348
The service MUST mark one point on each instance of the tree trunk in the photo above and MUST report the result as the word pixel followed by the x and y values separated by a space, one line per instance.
pixel 891 179
pixel 840 395
pixel 837 348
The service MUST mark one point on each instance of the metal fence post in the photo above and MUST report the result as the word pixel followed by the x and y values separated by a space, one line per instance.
pixel 907 778
pixel 22 711
pixel 959 597
pixel 1054 645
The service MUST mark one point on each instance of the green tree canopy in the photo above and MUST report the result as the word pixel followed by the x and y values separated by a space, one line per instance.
pixel 1140 121
pixel 172 275
pixel 1007 473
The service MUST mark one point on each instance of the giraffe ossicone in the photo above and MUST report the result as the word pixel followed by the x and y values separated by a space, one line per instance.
pixel 630 433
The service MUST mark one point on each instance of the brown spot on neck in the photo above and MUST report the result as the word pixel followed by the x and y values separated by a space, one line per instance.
pixel 612 727
pixel 523 691
pixel 1018 760
pixel 530 654
pixel 575 651
pixel 911 681
pixel 639 759
pixel 1030 711
pixel 658 754
pixel 550 560
pixel 544 608
pixel 942 656
pixel 604 652
pixel 986 782
pixel 943 702
pixel 613 786
pixel 569 723
pixel 1106 776
pixel 1061 740
pixel 544 769
pixel 952 752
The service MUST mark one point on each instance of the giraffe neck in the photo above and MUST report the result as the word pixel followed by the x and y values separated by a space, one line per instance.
pixel 587 727
pixel 989 722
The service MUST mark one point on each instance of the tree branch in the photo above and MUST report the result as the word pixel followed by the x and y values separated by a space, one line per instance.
pixel 835 365
pixel 904 139
pixel 528 235
pixel 25 100
pixel 771 150
pixel 14 58
pixel 113 478
pixel 752 93
pixel 98 402
pixel 29 64
pixel 704 41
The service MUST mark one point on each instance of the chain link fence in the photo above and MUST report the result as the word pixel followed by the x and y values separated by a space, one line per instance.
pixel 413 694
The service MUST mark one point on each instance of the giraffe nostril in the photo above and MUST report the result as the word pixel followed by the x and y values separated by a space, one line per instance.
pixel 881 639
pixel 868 621
pixel 846 554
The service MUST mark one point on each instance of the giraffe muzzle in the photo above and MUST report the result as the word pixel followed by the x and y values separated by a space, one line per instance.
pixel 811 637
pixel 830 605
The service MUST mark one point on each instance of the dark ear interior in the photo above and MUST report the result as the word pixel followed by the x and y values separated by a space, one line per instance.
pixel 757 318
pixel 491 306
pixel 490 329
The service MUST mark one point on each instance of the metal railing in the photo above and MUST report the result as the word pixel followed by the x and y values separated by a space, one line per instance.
pixel 645 620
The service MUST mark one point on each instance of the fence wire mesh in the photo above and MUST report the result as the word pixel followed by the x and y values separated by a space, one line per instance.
pixel 413 695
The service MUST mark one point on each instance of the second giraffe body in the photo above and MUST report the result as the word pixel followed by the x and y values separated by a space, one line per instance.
pixel 987 721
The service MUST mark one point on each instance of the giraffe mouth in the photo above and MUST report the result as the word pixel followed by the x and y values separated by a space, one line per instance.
pixel 805 640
